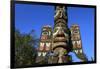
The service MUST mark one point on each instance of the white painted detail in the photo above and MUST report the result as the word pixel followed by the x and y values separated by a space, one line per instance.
pixel 45 33
pixel 76 51
pixel 39 53
pixel 44 29
pixel 44 53
pixel 73 42
pixel 42 33
pixel 71 32
pixel 57 13
pixel 49 33
pixel 60 59
pixel 80 50
pixel 41 44
pixel 48 44
pixel 78 42
pixel 54 34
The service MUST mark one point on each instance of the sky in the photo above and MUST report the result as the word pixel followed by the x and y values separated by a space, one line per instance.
pixel 28 17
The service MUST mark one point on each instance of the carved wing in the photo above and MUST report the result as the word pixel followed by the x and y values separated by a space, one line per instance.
pixel 77 43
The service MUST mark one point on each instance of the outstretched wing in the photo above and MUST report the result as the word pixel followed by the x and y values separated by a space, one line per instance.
pixel 77 42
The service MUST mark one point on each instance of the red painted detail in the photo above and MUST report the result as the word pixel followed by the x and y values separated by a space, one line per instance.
pixel 44 37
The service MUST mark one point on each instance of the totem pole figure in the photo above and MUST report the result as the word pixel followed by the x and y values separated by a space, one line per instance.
pixel 61 35
pixel 77 42
pixel 45 44
pixel 56 45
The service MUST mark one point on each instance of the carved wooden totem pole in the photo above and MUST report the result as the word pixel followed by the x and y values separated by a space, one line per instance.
pixel 61 36
pixel 77 42
pixel 55 45
pixel 44 45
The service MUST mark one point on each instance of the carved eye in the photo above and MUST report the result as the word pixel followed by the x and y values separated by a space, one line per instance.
pixel 44 29
pixel 75 32
pixel 45 33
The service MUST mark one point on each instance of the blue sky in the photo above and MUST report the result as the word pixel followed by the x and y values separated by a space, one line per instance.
pixel 28 17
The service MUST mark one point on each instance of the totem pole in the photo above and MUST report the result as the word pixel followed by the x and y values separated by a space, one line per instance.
pixel 44 45
pixel 55 46
pixel 61 36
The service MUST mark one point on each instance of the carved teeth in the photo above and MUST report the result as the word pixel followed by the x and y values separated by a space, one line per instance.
pixel 44 53
pixel 80 50
pixel 76 51
pixel 39 53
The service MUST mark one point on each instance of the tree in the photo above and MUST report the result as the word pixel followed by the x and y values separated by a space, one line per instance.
pixel 25 51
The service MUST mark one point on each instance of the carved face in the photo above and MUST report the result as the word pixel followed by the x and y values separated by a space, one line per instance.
pixel 60 31
pixel 75 30
pixel 75 33
pixel 60 12
pixel 61 9
pixel 45 34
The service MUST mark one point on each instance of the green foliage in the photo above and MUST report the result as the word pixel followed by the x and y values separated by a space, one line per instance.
pixel 25 52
